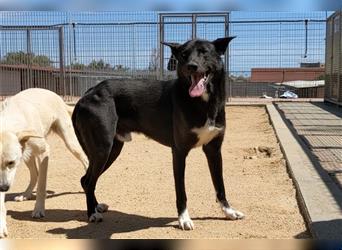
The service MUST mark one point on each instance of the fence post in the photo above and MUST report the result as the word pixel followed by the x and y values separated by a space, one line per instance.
pixel 61 61
pixel 161 47
pixel 306 38
pixel 29 62
pixel 194 26
pixel 226 58
pixel 339 70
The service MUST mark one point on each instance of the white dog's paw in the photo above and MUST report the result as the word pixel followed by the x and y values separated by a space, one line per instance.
pixel 96 217
pixel 22 197
pixel 185 223
pixel 3 230
pixel 38 213
pixel 232 214
pixel 102 207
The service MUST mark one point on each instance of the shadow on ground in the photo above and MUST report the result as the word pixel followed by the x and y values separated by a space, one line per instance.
pixel 115 222
pixel 49 194
pixel 303 235
pixel 328 230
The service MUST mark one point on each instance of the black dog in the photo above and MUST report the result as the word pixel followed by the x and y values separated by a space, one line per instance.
pixel 182 114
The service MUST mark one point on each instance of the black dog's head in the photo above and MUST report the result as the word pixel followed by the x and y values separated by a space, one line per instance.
pixel 198 61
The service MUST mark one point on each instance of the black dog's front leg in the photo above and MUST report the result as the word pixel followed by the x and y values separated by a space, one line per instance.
pixel 184 220
pixel 213 153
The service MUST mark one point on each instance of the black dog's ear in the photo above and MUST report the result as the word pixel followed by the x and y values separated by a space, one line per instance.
pixel 221 44
pixel 174 47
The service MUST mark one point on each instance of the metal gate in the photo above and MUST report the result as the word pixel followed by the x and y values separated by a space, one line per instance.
pixel 32 56
pixel 209 26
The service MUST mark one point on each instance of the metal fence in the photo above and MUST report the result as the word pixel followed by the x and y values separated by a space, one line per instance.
pixel 68 52
pixel 334 59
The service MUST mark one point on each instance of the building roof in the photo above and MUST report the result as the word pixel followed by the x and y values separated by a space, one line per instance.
pixel 302 84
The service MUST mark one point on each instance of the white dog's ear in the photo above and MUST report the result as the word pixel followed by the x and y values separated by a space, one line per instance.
pixel 26 134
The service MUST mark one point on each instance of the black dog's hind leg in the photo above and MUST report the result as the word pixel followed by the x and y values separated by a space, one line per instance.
pixel 96 128
pixel 184 220
pixel 116 150
pixel 96 168
pixel 214 157
pixel 88 182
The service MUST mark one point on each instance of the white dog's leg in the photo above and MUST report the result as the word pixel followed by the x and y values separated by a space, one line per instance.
pixel 39 209
pixel 66 132
pixel 32 166
pixel 3 226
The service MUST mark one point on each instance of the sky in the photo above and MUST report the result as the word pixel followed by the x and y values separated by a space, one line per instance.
pixel 174 5
pixel 129 38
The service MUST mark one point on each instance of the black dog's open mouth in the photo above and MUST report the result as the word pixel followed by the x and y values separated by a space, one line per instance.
pixel 199 83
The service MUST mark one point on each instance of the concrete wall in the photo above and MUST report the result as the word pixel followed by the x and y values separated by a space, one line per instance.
pixel 285 74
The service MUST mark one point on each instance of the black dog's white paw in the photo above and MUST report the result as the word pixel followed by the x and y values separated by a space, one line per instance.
pixel 232 214
pixel 102 207
pixel 185 223
pixel 96 217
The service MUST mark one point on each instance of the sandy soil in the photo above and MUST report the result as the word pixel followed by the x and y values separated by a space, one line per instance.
pixel 140 192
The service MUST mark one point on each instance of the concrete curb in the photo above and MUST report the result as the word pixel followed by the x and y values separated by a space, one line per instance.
pixel 319 197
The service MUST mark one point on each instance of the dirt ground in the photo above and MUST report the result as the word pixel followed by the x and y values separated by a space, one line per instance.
pixel 140 192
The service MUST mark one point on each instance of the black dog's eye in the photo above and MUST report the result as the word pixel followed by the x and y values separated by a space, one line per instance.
pixel 184 55
pixel 202 51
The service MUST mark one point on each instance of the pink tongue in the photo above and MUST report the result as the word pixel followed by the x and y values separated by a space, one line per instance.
pixel 198 89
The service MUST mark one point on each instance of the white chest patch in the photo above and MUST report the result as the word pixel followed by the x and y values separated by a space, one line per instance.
pixel 206 133
pixel 205 96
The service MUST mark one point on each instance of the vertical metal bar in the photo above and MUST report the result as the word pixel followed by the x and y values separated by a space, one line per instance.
pixel 29 63
pixel 280 45
pixel 74 40
pixel 226 34
pixel 134 50
pixel 332 58
pixel 71 60
pixel 1 44
pixel 339 88
pixel 61 61
pixel 327 73
pixel 226 58
pixel 306 38
pixel 74 60
pixel 194 26
pixel 161 47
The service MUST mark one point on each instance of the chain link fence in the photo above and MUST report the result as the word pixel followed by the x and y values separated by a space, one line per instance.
pixel 68 52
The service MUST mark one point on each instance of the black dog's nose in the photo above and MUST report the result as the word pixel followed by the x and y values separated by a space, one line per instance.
pixel 192 66
pixel 4 188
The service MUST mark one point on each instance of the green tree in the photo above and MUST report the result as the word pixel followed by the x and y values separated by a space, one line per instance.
pixel 41 60
pixel 100 64
pixel 15 58
pixel 79 66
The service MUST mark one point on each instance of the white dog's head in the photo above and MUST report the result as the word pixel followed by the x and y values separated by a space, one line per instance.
pixel 11 154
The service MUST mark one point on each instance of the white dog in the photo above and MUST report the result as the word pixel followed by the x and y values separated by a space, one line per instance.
pixel 25 121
